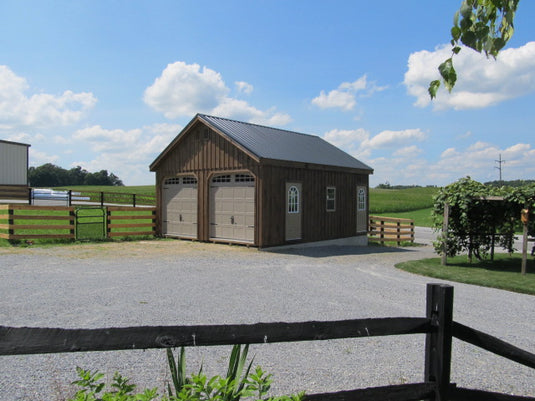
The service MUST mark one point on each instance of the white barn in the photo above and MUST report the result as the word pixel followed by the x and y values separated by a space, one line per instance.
pixel 13 169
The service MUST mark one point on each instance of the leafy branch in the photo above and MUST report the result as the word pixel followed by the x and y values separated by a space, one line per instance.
pixel 482 25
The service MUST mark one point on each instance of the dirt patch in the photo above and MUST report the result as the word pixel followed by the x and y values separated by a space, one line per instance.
pixel 128 249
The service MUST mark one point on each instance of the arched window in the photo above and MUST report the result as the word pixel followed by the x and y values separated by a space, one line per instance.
pixel 361 200
pixel 293 199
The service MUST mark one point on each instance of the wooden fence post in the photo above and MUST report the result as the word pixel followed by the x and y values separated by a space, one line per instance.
pixel 10 222
pixel 438 342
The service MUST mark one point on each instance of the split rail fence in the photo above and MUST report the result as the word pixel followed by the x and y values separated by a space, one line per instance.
pixel 24 222
pixel 390 229
pixel 437 325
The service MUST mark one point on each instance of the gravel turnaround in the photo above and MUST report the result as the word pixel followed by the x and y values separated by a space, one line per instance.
pixel 187 283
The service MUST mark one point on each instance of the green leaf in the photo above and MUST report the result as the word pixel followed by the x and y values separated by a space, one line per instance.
pixel 433 88
pixel 456 33
pixel 448 74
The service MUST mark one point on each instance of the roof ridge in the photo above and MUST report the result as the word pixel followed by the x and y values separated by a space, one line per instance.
pixel 258 125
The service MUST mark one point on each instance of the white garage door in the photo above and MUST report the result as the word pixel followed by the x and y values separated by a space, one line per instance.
pixel 232 207
pixel 180 207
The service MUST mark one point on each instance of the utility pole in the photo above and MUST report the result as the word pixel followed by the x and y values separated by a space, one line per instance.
pixel 500 162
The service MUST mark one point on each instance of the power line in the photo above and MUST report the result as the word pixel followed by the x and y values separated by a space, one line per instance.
pixel 499 167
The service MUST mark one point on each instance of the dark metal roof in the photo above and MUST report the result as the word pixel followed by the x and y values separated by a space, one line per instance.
pixel 273 143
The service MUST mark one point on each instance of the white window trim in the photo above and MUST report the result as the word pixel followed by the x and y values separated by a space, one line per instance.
pixel 293 200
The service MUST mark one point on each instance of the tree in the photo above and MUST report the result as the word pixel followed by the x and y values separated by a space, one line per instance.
pixel 482 25
pixel 50 175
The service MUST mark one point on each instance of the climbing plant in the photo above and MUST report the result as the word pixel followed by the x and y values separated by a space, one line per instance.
pixel 480 217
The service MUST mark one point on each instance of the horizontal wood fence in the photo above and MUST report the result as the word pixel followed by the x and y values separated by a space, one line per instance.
pixel 15 192
pixel 437 325
pixel 48 222
pixel 390 229
pixel 116 216
pixel 51 222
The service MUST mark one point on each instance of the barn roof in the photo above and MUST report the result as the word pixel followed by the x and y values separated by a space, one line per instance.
pixel 277 144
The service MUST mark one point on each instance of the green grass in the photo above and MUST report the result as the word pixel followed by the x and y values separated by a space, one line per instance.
pixel 422 217
pixel 401 200
pixel 92 227
pixel 502 273
pixel 138 190
pixel 410 203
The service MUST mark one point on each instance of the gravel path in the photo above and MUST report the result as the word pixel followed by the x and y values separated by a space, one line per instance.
pixel 179 282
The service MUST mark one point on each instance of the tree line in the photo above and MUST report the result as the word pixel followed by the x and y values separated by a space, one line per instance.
pixel 50 175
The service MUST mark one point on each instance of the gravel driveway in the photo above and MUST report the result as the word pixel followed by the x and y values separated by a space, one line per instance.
pixel 180 282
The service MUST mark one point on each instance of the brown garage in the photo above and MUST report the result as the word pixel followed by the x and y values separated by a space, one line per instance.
pixel 229 181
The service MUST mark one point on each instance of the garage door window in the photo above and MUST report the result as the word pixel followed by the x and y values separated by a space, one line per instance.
pixel 222 178
pixel 171 181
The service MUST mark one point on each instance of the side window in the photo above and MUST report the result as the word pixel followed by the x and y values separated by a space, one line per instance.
pixel 293 200
pixel 361 200
pixel 331 199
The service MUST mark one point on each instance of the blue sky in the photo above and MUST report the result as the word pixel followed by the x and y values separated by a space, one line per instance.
pixel 108 84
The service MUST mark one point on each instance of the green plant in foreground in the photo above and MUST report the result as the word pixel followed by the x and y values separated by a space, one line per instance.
pixel 239 383
pixel 122 390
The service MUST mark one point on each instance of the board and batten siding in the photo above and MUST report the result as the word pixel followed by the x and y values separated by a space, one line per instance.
pixel 203 153
pixel 318 224
pixel 13 163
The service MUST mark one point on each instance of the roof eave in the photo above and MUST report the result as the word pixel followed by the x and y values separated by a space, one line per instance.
pixel 315 166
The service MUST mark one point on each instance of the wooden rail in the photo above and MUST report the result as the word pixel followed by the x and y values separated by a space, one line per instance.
pixel 54 221
pixel 390 229
pixel 114 229
pixel 15 192
pixel 51 222
pixel 437 325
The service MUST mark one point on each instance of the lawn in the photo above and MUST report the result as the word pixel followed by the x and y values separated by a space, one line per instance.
pixel 502 273
pixel 401 200
pixel 409 203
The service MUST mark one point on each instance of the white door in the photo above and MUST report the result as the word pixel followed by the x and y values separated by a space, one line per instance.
pixel 232 207
pixel 179 215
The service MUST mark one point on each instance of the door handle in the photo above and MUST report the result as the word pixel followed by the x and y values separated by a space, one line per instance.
pixel 232 220
pixel 179 217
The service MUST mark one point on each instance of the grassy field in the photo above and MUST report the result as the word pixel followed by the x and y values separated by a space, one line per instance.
pixel 138 190
pixel 410 203
pixel 503 272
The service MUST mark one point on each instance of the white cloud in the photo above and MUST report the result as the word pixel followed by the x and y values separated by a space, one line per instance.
pixel 187 89
pixel 408 151
pixel 17 110
pixel 344 97
pixel 396 138
pixel 244 87
pixel 37 158
pixel 481 82
pixel 397 157
pixel 125 153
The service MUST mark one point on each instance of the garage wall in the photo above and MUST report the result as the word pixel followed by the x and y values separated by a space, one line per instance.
pixel 13 163
pixel 202 152
pixel 317 223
